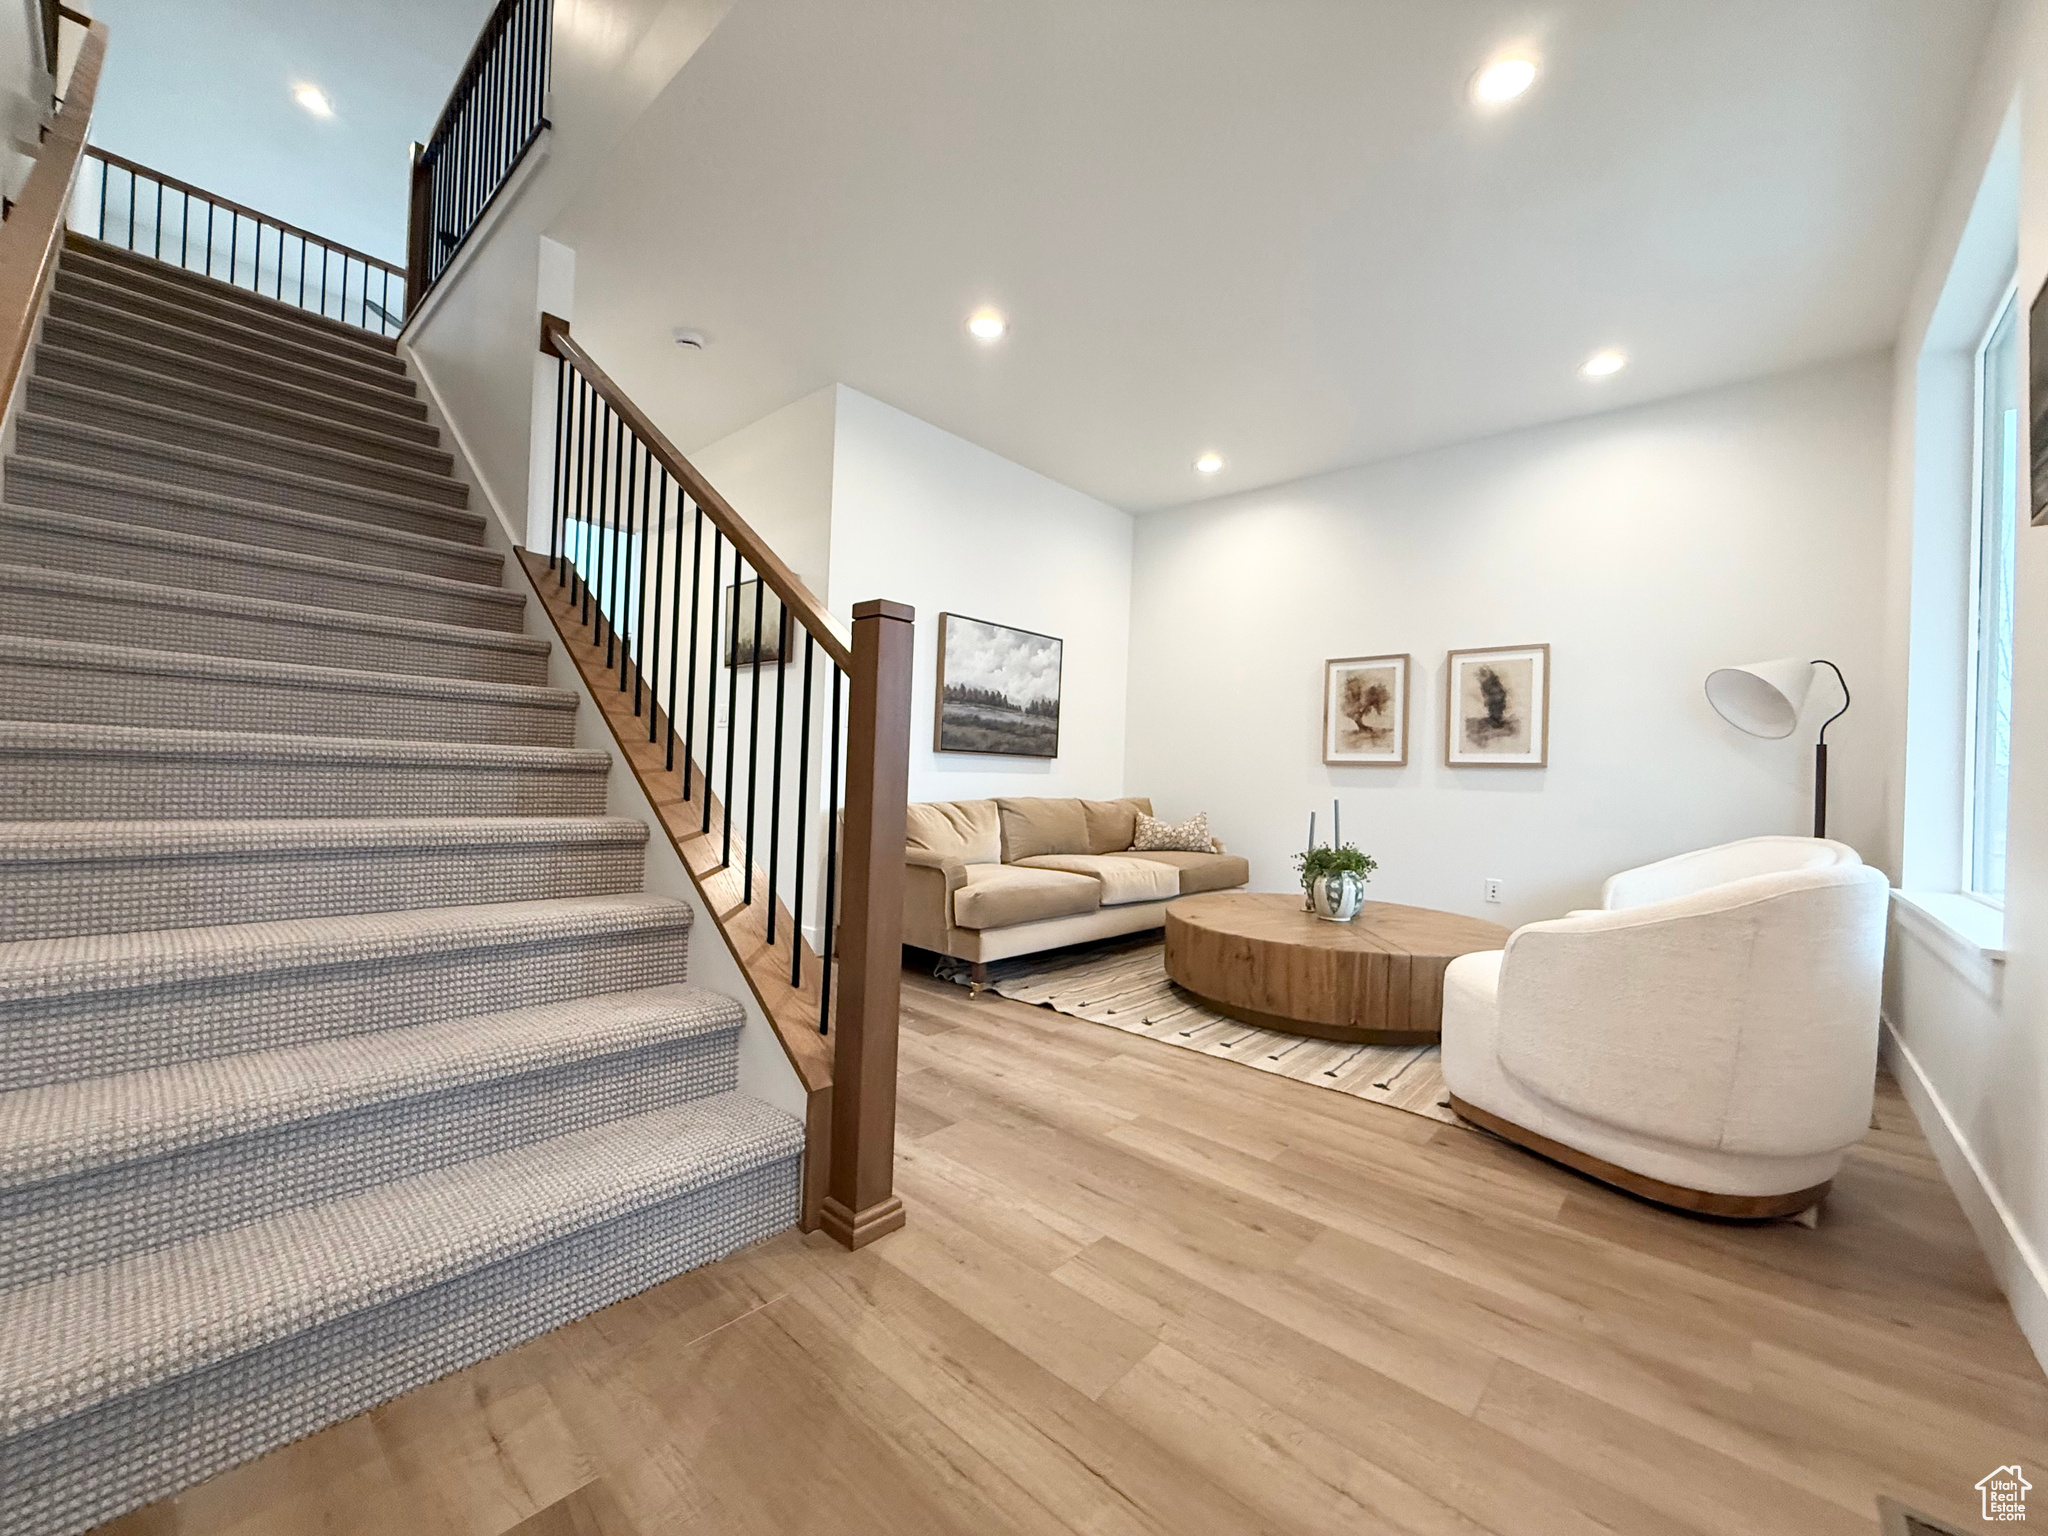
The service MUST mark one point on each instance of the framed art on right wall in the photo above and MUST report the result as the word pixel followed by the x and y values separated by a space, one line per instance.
pixel 1497 712
pixel 1365 711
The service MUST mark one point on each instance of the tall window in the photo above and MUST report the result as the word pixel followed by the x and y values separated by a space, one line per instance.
pixel 1998 482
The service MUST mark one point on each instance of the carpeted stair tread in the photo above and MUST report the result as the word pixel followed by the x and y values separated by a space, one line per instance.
pixel 237 370
pixel 401 468
pixel 58 540
pixel 80 355
pixel 365 538
pixel 249 328
pixel 83 877
pixel 244 347
pixel 63 1129
pixel 119 962
pixel 127 1326
pixel 332 630
pixel 77 375
pixel 84 654
pixel 60 771
pixel 189 469
pixel 79 841
pixel 115 264
pixel 128 685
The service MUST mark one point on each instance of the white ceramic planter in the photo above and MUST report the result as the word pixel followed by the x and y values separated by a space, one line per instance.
pixel 1337 898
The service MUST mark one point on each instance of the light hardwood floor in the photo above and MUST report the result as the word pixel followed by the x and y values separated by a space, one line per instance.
pixel 1146 1292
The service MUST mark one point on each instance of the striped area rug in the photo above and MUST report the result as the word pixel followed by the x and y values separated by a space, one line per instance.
pixel 1125 987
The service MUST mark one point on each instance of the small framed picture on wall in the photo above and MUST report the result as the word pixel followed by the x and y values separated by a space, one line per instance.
pixel 1365 711
pixel 1497 713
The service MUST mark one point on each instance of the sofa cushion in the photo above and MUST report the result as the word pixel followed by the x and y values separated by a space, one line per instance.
pixel 1032 827
pixel 1112 824
pixel 962 830
pixel 1124 879
pixel 1003 895
pixel 1190 836
pixel 1204 871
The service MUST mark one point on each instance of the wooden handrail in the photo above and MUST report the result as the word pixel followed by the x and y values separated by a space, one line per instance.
pixel 33 235
pixel 797 599
pixel 137 168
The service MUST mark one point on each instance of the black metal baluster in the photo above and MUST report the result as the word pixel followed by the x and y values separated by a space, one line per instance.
pixel 324 252
pixel 696 593
pixel 775 771
pixel 210 206
pixel 617 556
pixel 831 835
pixel 729 644
pixel 675 619
pixel 157 249
pixel 555 540
pixel 711 666
pixel 629 628
pixel 604 548
pixel 641 612
pixel 586 557
pixel 803 818
pixel 654 628
pixel 106 171
pixel 185 229
pixel 754 729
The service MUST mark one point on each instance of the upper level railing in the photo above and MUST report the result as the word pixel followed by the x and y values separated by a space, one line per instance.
pixel 493 116
pixel 781 737
pixel 33 235
pixel 130 205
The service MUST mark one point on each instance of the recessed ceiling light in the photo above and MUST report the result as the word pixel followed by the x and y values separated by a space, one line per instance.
pixel 987 324
pixel 1209 463
pixel 1603 365
pixel 1503 80
pixel 313 99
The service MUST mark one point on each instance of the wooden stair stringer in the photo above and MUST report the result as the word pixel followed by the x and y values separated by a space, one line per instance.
pixel 791 1011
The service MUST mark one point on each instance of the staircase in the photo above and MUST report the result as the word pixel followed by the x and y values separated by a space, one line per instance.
pixel 339 1045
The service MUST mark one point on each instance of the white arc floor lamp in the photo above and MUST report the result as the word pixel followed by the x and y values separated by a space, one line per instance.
pixel 1764 698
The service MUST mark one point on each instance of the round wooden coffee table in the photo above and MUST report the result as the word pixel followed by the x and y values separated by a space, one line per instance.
pixel 1376 980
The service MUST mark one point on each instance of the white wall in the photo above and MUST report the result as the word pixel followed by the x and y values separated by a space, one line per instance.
pixel 777 474
pixel 24 91
pixel 930 519
pixel 1646 547
pixel 1967 1036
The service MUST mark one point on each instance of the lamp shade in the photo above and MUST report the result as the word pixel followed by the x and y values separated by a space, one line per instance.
pixel 1763 697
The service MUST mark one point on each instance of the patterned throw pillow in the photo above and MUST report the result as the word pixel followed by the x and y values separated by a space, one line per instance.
pixel 1156 836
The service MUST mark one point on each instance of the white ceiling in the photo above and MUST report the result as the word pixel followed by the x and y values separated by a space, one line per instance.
pixel 202 89
pixel 1274 229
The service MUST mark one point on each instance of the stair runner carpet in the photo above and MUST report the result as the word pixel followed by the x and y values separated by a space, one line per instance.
pixel 339 1044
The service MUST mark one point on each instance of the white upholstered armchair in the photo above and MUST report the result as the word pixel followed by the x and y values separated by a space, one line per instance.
pixel 1708 1038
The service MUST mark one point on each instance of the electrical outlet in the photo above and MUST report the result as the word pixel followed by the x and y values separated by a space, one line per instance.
pixel 1493 890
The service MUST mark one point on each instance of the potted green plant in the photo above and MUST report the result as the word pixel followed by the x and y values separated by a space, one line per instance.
pixel 1334 879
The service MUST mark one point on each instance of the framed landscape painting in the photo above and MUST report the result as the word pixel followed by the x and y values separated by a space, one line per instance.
pixel 744 645
pixel 999 690
pixel 1498 708
pixel 1365 711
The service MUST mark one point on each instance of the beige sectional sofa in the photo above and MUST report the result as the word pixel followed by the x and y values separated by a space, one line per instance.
pixel 988 879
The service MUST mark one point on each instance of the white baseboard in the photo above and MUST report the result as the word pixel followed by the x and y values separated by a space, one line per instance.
pixel 2014 1260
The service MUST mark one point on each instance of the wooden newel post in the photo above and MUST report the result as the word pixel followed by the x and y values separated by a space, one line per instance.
pixel 860 1204
pixel 419 230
